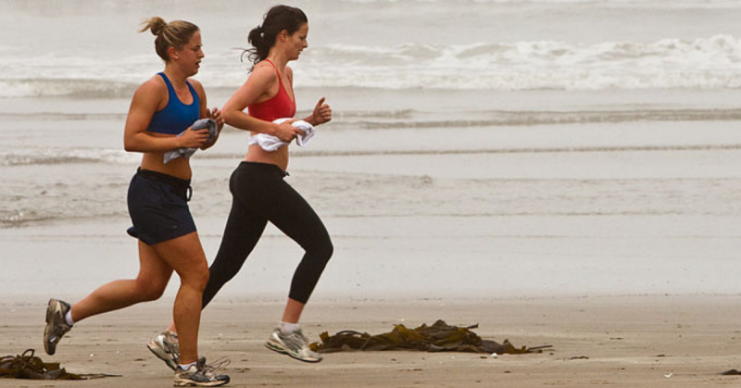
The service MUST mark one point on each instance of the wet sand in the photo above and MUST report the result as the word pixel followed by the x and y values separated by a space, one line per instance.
pixel 625 341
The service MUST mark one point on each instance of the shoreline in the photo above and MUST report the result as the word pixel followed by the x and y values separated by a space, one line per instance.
pixel 469 257
pixel 430 100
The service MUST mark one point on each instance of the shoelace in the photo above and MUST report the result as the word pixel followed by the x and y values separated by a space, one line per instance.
pixel 173 345
pixel 220 363
pixel 297 340
pixel 209 370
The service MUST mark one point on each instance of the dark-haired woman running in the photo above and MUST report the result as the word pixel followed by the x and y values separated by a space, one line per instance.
pixel 260 193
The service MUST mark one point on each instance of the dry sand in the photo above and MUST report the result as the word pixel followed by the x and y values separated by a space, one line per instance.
pixel 621 341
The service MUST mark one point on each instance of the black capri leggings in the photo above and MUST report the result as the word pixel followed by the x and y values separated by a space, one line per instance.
pixel 259 195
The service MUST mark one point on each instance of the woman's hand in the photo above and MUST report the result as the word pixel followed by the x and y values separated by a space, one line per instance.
pixel 286 132
pixel 216 116
pixel 193 138
pixel 322 113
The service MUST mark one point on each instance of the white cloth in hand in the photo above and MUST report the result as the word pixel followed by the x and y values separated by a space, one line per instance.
pixel 271 143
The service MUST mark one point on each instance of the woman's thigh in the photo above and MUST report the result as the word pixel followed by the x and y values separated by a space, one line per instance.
pixel 293 215
pixel 184 255
pixel 154 272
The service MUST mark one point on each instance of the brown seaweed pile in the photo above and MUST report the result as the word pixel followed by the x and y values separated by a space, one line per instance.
pixel 439 337
pixel 732 372
pixel 28 366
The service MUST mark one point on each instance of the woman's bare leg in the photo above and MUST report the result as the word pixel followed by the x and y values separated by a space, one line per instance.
pixel 154 274
pixel 185 255
pixel 293 310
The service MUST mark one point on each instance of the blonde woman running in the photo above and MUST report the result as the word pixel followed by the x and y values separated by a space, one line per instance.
pixel 163 107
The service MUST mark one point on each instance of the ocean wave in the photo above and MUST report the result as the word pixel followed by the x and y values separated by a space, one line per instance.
pixel 65 156
pixel 703 63
pixel 706 63
pixel 525 150
pixel 75 86
pixel 61 116
pixel 523 118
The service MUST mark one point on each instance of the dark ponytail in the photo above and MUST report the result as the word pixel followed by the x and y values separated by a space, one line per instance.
pixel 279 18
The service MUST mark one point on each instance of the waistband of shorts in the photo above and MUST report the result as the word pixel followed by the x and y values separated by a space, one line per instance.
pixel 264 167
pixel 158 176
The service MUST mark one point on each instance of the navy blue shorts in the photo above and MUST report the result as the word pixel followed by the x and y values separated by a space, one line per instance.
pixel 158 206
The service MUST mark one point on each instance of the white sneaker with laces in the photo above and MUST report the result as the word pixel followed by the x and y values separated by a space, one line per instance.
pixel 166 347
pixel 293 344
pixel 199 375
pixel 56 324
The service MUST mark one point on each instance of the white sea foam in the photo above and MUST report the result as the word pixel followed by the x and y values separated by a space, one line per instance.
pixel 668 63
pixel 703 63
pixel 390 44
pixel 18 157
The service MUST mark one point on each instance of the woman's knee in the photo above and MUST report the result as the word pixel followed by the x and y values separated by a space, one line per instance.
pixel 195 277
pixel 328 250
pixel 148 290
pixel 323 251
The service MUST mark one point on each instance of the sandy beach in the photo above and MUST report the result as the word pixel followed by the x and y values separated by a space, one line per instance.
pixel 622 341
pixel 542 168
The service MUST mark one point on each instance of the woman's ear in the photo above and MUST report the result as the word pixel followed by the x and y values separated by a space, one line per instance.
pixel 172 52
pixel 284 35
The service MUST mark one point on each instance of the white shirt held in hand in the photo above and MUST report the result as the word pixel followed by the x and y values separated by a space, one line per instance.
pixel 271 143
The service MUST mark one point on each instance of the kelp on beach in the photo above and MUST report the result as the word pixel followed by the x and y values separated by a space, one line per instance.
pixel 731 372
pixel 28 366
pixel 439 337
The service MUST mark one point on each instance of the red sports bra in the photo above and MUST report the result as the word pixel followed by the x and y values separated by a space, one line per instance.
pixel 278 107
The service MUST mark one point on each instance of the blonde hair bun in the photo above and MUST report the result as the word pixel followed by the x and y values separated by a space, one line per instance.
pixel 156 24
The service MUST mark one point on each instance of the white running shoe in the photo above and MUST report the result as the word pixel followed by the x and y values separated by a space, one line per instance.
pixel 293 344
pixel 56 324
pixel 166 347
pixel 199 375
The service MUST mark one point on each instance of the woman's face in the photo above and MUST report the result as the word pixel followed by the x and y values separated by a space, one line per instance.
pixel 297 42
pixel 189 57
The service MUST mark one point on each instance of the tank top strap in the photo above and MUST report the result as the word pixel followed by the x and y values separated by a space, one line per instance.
pixel 192 90
pixel 170 88
pixel 280 79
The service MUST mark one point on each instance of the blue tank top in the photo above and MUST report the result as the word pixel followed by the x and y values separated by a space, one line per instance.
pixel 176 117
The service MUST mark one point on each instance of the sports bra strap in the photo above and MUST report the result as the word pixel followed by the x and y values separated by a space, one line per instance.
pixel 280 79
pixel 171 89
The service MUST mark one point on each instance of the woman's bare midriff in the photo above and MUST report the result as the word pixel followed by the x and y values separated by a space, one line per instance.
pixel 179 168
pixel 278 157
pixel 155 161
